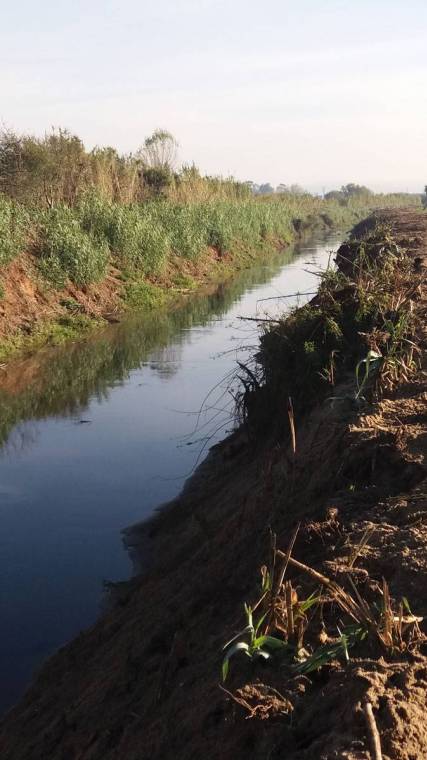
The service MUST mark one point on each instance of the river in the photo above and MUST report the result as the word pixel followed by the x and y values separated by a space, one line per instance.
pixel 96 434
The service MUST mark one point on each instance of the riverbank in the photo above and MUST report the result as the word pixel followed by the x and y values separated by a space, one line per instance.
pixel 143 682
pixel 75 270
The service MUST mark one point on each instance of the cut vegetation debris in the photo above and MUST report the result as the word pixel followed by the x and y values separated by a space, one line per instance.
pixel 358 329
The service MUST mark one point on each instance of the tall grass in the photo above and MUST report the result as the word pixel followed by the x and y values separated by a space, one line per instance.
pixel 78 242
pixel 67 251
pixel 13 226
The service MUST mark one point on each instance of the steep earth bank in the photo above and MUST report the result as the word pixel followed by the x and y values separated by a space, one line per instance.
pixel 33 313
pixel 145 680
pixel 37 311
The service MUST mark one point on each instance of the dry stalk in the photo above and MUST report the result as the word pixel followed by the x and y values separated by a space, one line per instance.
pixel 289 611
pixel 374 736
pixel 362 544
pixel 360 613
pixel 287 558
pixel 388 616
pixel 292 426
pixel 306 569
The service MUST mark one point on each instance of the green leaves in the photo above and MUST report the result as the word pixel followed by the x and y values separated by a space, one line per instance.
pixel 371 358
pixel 271 642
pixel 331 650
pixel 256 647
pixel 13 229
pixel 67 251
pixel 240 646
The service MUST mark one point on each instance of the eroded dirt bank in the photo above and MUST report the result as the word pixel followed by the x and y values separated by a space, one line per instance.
pixel 144 682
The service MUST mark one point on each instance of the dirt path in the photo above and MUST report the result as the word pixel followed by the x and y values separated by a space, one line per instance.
pixel 144 681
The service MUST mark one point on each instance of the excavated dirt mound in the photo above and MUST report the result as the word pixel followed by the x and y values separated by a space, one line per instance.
pixel 144 681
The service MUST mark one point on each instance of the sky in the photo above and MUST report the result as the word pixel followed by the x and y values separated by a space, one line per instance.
pixel 315 92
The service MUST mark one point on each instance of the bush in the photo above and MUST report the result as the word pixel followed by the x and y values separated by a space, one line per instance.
pixel 186 227
pixel 95 214
pixel 67 251
pixel 138 238
pixel 219 225
pixel 13 223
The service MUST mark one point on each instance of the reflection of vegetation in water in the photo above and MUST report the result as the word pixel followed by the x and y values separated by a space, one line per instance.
pixel 62 381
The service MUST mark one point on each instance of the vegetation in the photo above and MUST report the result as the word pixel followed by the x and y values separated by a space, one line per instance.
pixel 79 212
pixel 358 333
pixel 380 623
pixel 358 327
pixel 256 647
pixel 12 230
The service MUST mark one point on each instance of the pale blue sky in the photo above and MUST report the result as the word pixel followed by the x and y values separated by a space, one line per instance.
pixel 319 92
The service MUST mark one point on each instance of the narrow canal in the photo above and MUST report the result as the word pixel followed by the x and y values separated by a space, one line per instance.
pixel 96 434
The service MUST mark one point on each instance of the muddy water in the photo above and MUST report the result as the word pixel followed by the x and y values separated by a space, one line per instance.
pixel 96 434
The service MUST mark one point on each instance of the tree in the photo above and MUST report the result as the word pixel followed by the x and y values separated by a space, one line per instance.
pixel 265 188
pixel 293 189
pixel 252 186
pixel 52 168
pixel 335 195
pixel 158 158
pixel 352 190
pixel 159 150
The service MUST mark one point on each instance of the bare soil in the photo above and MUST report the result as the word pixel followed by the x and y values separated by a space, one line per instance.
pixel 144 681
pixel 28 302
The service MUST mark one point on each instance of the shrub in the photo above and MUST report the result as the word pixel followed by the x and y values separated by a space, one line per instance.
pixel 144 295
pixel 157 179
pixel 186 226
pixel 138 238
pixel 67 251
pixel 219 225
pixel 12 230
pixel 95 214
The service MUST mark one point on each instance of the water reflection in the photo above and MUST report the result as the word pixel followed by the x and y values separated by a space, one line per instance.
pixel 62 381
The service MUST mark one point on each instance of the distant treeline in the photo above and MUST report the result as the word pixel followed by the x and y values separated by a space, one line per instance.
pixel 344 196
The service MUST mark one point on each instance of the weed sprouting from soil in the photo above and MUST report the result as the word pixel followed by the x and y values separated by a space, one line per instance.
pixel 307 633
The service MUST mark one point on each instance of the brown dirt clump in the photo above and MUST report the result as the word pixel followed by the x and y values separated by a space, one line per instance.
pixel 144 681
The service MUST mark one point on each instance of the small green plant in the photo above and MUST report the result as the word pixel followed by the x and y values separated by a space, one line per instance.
pixel 370 361
pixel 256 647
pixel 331 650
pixel 143 295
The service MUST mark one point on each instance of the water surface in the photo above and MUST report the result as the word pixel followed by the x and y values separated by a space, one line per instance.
pixel 96 434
